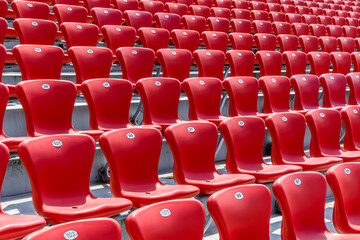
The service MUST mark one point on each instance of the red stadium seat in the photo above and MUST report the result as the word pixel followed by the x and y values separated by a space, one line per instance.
pixel 265 41
pixel 151 6
pixel 221 12
pixel 106 16
pixel 92 228
pixel 288 42
pixel 353 22
pixel 49 161
pixel 141 187
pixel 306 88
pixel 118 36
pixel 223 3
pixel 188 142
pixel 124 5
pixel 169 60
pixel 169 21
pixel 325 143
pixel 241 41
pixel 288 8
pixel 136 63
pixel 240 13
pixel 309 19
pixel 244 140
pixel 304 219
pixel 316 11
pixel 334 88
pixel 138 19
pixel 328 44
pixel 232 210
pixel 240 25
pixel 295 63
pixel 241 62
pixel 351 121
pixel 277 17
pixel 87 65
pixel 196 23
pixel 185 218
pixel 186 39
pixel 154 38
pixel 318 30
pixel 218 24
pixel 350 31
pixel 261 26
pixel 35 31
pixel 207 3
pixel 273 7
pixel 341 62
pixel 338 21
pixel 302 10
pixel 241 4
pixel 199 10
pixel 257 5
pixel 270 63
pixel 259 15
pixel 160 90
pixel 320 62
pixel 69 13
pixel 281 28
pixel 334 30
pixel 353 82
pixel 31 9
pixel 300 29
pixel 80 34
pixel 176 8
pixel 346 44
pixel 215 40
pixel 293 18
pixel 243 94
pixel 210 63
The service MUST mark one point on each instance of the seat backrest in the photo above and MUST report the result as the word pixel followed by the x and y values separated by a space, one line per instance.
pixel 80 34
pixel 259 15
pixel 152 7
pixel 276 91
pixel 244 138
pixel 301 216
pixel 241 41
pixel 140 145
pixel 87 65
pixel 241 62
pixel 106 16
pixel 185 218
pixel 3 8
pixel 90 4
pixel 39 61
pixel 293 18
pixel 334 30
pixel 154 38
pixel 309 19
pixel 215 40
pixel 109 102
pixel 31 9
pixel 274 8
pixel 70 13
pixel 261 26
pixel 204 96
pixel 239 13
pixel 243 94
pixel 320 62
pixel 91 228
pixel 193 147
pixel 325 20
pixel 126 5
pixel 199 10
pixel 302 10
pixel 309 43
pixel 176 8
pixel 35 31
pixel 210 63
pixel 169 60
pixel 168 21
pixel 48 106
pixel 118 36
pixel 136 63
pixel 196 23
pixel 353 81
pixel 325 126
pixel 265 41
pixel 287 132
pixel 346 44
pixel 295 62
pixel 281 28
pixel 186 39
pixel 221 12
pixel 241 25
pixel 270 63
pixel 160 97
pixel 138 19
pixel 306 88
pixel 350 117
pixel 49 160
pixel 350 31
pixel 3 29
pixel 288 42
pixel 341 62
pixel 328 44
pixel 218 24
pixel 338 20
pixel 300 29
pixel 318 30
pixel 334 88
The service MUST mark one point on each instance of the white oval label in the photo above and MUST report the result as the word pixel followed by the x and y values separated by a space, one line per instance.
pixel 134 52
pixel 106 84
pixel 90 51
pixel 69 9
pixel 130 135
pixel 240 81
pixel 322 115
pixel 57 143
pixel 347 171
pixel 355 111
pixel 297 181
pixel 79 27
pixel 157 83
pixel 118 29
pixel 165 212
pixel 38 50
pixel 45 86
pixel 34 23
pixel 239 195
pixel 241 123
pixel 284 119
pixel 191 129
pixel 71 235
pixel 173 53
pixel 201 82
pixel 273 80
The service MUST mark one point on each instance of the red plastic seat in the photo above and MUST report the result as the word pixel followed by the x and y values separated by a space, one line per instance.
pixel 154 91
pixel 87 65
pixel 243 94
pixel 325 20
pixel 199 10
pixel 138 19
pixel 241 41
pixel 353 82
pixel 218 24
pixel 334 88
pixel 261 26
pixel 207 3
pixel 340 13
pixel 353 22
pixel 286 8
pixel 186 39
pixel 281 28
pixel 169 60
pixel 306 88
pixel 118 36
pixel 328 44
pixel 240 13
pixel 210 63
pixel 154 38
pixel 351 121
pixel 196 23
pixel 244 140
pixel 341 62
pixel 318 30
pixel 273 7
pixel 136 63
pixel 49 161
pixel 221 12
pixel 350 31
pixel 151 6
pixel 3 29
pixel 106 16
pixel 35 31
pixel 334 30
pixel 270 63
pixel 304 219
pixel 241 62
pixel 223 3
pixel 69 13
pixel 329 13
pixel 93 228
pixel 287 131
pixel 302 10
pixel 193 146
pixel 168 21
pixel 185 218
pixel 176 8
pixel 338 21
pixel 277 17
pixel 31 9
pixel 295 63
pixel 265 41
pixel 300 29
pixel 232 210
pixel 39 61
pixel 320 62
pixel 259 15
pixel 124 5
pixel 80 34
pixel 141 187
pixel 240 4
pixel 344 182
pixel 58 98
pixel 316 11
pixel 186 2
pixel 90 4
pixel 346 44
pixel 215 40
pixel 325 127
pixel 240 25
pixel 293 18
pixel 309 19
pixel 288 42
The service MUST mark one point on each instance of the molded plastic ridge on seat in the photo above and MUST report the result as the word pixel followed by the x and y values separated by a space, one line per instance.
pixel 49 160
pixel 185 218
pixel 193 146
pixel 244 137
pixel 142 146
